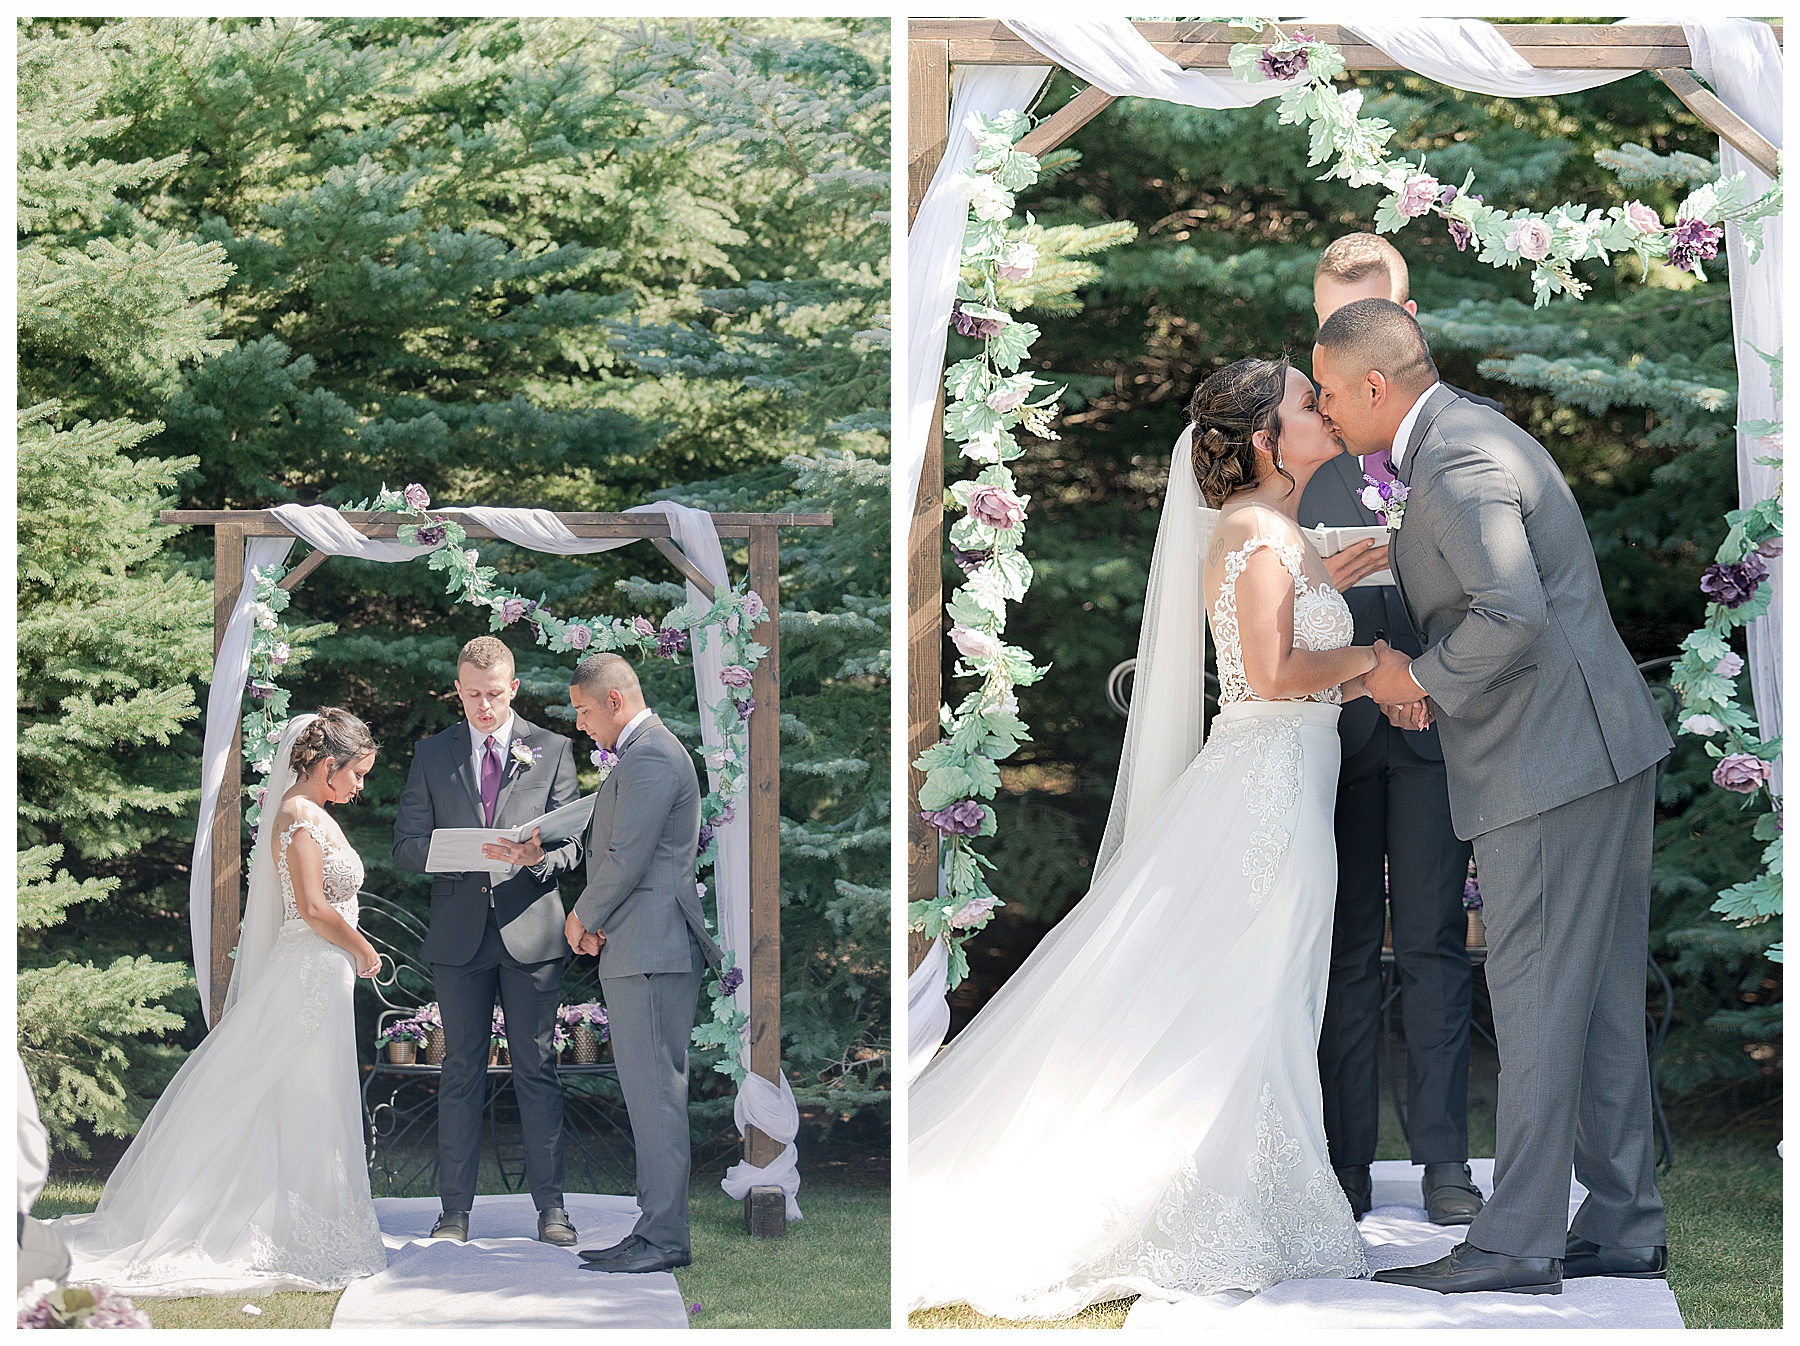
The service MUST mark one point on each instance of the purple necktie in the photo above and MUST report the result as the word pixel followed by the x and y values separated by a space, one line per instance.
pixel 490 780
pixel 1380 465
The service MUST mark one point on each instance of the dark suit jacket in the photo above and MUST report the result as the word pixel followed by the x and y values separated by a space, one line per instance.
pixel 442 790
pixel 641 847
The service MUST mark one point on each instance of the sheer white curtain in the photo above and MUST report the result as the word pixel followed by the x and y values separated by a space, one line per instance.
pixel 1738 57
pixel 537 530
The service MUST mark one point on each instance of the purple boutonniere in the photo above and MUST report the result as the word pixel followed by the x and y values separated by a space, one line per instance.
pixel 1386 498
pixel 525 755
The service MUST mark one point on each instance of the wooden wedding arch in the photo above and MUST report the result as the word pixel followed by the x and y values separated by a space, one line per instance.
pixel 764 1207
pixel 935 46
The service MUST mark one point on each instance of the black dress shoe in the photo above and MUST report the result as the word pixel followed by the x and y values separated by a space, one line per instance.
pixel 631 1243
pixel 452 1224
pixel 1469 1269
pixel 635 1256
pixel 554 1227
pixel 1584 1258
pixel 1451 1196
pixel 1355 1181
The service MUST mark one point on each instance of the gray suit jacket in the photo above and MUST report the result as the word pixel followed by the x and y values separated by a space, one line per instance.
pixel 640 860
pixel 442 790
pixel 1539 702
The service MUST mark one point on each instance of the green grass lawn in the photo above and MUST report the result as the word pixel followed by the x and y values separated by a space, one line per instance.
pixel 832 1269
pixel 1724 1201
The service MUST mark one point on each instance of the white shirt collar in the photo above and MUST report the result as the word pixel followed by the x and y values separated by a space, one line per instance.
pixel 1404 433
pixel 631 728
pixel 503 737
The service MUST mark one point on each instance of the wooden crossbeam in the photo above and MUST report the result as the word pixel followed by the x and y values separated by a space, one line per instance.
pixel 1729 127
pixel 1547 46
pixel 263 523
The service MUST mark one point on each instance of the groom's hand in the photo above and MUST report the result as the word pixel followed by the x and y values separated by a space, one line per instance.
pixel 1415 715
pixel 529 852
pixel 581 939
pixel 1391 682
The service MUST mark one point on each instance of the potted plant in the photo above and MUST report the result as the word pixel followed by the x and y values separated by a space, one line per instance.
pixel 497 1054
pixel 402 1038
pixel 1472 905
pixel 560 1036
pixel 432 1022
pixel 586 1023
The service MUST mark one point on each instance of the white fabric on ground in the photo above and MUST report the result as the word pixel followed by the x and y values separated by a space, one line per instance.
pixel 1397 1234
pixel 503 1277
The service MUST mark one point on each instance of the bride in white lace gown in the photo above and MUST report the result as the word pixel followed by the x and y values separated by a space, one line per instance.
pixel 1137 1111
pixel 249 1175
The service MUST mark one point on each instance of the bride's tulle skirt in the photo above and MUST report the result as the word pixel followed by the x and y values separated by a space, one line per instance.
pixel 1137 1111
pixel 249 1175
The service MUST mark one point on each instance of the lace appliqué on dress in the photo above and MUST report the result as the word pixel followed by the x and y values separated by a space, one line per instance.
pixel 1322 620
pixel 343 871
pixel 324 1251
pixel 1284 1227
pixel 1271 788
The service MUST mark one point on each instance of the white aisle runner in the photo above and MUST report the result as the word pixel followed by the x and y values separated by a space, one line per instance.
pixel 1397 1234
pixel 503 1277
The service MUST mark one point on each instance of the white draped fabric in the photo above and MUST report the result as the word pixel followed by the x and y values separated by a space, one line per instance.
pixel 540 530
pixel 1738 57
pixel 927 1012
pixel 771 1110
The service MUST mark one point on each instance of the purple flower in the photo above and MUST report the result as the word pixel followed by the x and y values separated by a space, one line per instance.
pixel 753 607
pixel 970 561
pixel 513 609
pixel 1471 894
pixel 1418 196
pixel 971 326
pixel 998 509
pixel 961 819
pixel 745 708
pixel 1734 585
pixel 670 642
pixel 1730 666
pixel 1446 196
pixel 1742 773
pixel 604 758
pixel 1771 548
pixel 578 636
pixel 430 535
pixel 735 675
pixel 1281 65
pixel 730 982
pixel 1693 242
pixel 1460 234
pixel 727 816
pixel 643 626
pixel 706 836
pixel 971 913
pixel 416 496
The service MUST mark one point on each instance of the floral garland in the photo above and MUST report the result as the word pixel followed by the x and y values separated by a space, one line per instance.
pixel 989 395
pixel 1706 677
pixel 1551 242
pixel 440 541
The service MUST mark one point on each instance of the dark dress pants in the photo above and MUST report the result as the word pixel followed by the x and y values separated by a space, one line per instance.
pixel 1393 806
pixel 528 994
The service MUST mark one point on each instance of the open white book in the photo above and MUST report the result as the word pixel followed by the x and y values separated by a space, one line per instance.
pixel 1331 540
pixel 457 850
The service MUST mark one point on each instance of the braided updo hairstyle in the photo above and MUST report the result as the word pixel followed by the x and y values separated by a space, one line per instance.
pixel 336 734
pixel 1226 410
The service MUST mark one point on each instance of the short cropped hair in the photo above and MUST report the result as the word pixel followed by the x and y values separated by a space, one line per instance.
pixel 599 674
pixel 486 652
pixel 1356 257
pixel 1379 334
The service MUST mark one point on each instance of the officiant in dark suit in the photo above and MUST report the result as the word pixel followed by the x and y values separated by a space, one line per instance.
pixel 1396 847
pixel 494 938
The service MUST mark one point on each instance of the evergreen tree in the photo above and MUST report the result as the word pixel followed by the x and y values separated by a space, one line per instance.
pixel 110 635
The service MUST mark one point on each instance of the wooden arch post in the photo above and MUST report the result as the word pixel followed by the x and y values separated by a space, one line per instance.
pixel 936 46
pixel 764 1208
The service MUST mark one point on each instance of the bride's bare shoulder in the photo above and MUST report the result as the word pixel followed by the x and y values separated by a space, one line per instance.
pixel 297 810
pixel 1245 523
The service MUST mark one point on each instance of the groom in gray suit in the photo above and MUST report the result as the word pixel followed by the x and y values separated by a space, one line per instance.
pixel 640 912
pixel 493 938
pixel 1551 744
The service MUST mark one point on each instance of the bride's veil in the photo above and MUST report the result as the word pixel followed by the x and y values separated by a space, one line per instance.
pixel 263 907
pixel 1167 723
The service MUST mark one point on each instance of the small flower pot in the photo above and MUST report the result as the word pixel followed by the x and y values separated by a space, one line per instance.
pixel 586 1044
pixel 402 1053
pixel 1477 931
pixel 434 1047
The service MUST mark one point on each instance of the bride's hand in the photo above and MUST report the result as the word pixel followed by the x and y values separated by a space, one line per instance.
pixel 368 962
pixel 1352 689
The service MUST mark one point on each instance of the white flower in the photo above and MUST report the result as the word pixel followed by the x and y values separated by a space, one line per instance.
pixel 1730 666
pixel 263 615
pixel 987 198
pixel 522 753
pixel 472 556
pixel 1372 501
pixel 717 759
pixel 974 644
pixel 700 891
pixel 1703 725
pixel 972 912
pixel 1019 262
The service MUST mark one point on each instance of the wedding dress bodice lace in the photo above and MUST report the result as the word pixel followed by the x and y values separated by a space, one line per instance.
pixel 343 871
pixel 1322 620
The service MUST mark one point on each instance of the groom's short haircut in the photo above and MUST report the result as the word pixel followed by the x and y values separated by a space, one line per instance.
pixel 1378 334
pixel 599 674
pixel 1356 257
pixel 486 652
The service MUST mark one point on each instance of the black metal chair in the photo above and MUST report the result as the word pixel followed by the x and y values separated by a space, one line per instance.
pixel 400 1101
